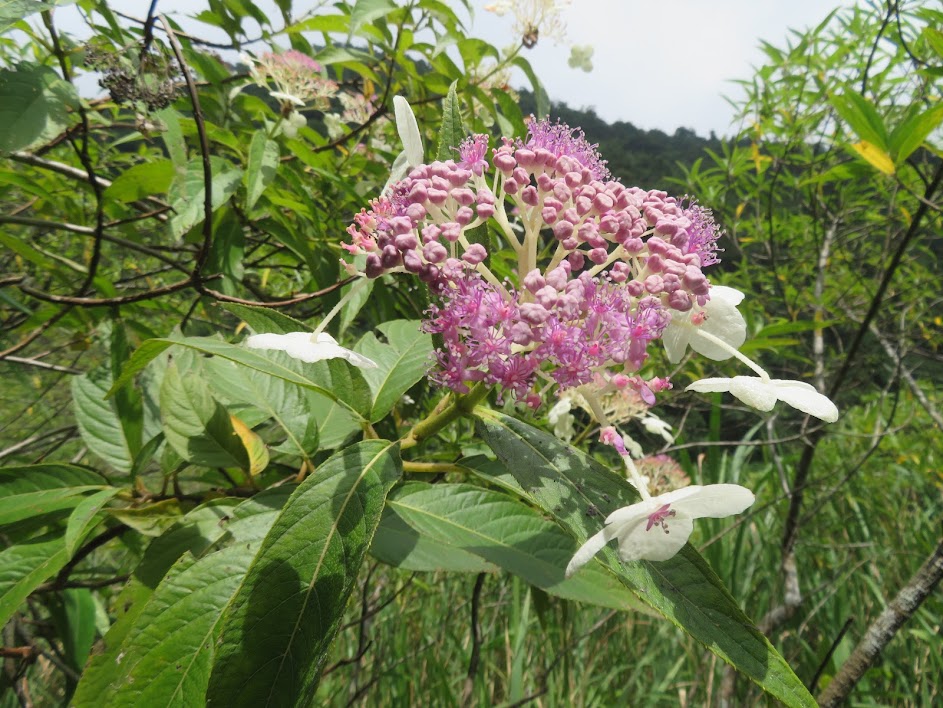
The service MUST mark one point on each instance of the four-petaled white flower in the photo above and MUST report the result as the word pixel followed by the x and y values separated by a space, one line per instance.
pixel 720 318
pixel 309 347
pixel 762 394
pixel 656 529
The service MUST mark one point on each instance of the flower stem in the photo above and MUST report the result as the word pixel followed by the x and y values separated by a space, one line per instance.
pixel 453 408
pixel 354 289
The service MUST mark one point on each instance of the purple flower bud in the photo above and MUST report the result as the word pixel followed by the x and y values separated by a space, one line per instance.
pixel 672 282
pixel 562 230
pixel 654 284
pixel 655 264
pixel 665 227
pixel 520 174
pixel 485 211
pixel 576 260
pixel 598 255
pixel 534 313
pixel 534 281
pixel 438 196
pixel 390 257
pixel 418 193
pixel 451 231
pixel 439 169
pixel 435 252
pixel 464 215
pixel 557 278
pixel 548 214
pixel 583 205
pixel 547 296
pixel 504 161
pixel 570 243
pixel 529 195
pixel 463 196
pixel 431 233
pixel 573 179
pixel 412 262
pixel 459 177
pixel 525 158
pixel 635 288
pixel 511 186
pixel 485 196
pixel 679 300
pixel 416 213
pixel 602 203
pixel 475 254
pixel 405 242
pixel 620 272
pixel 373 267
pixel 545 182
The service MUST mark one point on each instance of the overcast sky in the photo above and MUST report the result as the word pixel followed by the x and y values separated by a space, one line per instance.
pixel 664 64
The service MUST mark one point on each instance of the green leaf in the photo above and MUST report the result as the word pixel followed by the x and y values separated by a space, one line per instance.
pixel 366 11
pixel 186 195
pixel 396 543
pixel 911 132
pixel 509 534
pixel 860 115
pixel 401 361
pixel 196 425
pixel 34 490
pixel 285 403
pixel 35 105
pixel 262 167
pixel 279 626
pixel 332 379
pixel 147 179
pixel 166 659
pixel 540 93
pixel 99 420
pixel 150 519
pixel 452 132
pixel 12 11
pixel 73 614
pixel 24 567
pixel 565 483
pixel 81 518
pixel 266 320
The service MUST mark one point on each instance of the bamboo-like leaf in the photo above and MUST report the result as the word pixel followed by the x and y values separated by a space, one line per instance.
pixel 452 132
pixel 875 156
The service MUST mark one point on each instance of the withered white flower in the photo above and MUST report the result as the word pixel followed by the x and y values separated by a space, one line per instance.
pixel 762 394
pixel 657 528
pixel 309 347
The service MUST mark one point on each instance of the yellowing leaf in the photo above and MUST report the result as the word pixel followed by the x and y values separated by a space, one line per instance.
pixel 258 452
pixel 877 157
pixel 740 207
pixel 757 158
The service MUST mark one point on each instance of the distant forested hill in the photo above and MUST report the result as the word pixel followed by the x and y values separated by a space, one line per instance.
pixel 636 157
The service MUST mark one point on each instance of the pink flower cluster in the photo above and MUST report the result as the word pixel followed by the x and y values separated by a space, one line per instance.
pixel 570 326
pixel 297 78
pixel 620 261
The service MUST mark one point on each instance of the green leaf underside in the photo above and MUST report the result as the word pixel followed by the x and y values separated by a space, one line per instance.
pixel 24 567
pixel 279 626
pixel 564 482
pixel 34 490
pixel 396 543
pixel 509 534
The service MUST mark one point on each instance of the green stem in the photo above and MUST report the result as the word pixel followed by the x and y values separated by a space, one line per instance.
pixel 355 288
pixel 455 408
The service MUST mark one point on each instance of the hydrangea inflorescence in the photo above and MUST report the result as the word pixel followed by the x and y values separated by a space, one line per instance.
pixel 617 261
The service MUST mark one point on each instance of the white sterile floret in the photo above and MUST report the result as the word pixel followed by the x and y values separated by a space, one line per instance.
pixel 762 394
pixel 656 426
pixel 722 319
pixel 657 528
pixel 562 420
pixel 309 347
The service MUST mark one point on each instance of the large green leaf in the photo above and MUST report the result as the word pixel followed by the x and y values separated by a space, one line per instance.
pixel 398 544
pixel 261 168
pixel 12 11
pixel 567 483
pixel 24 567
pixel 509 534
pixel 277 631
pixel 333 379
pixel 196 425
pixel 166 659
pixel 243 522
pixel 35 105
pixel 401 361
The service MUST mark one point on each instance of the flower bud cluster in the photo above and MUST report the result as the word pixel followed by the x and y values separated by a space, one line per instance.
pixel 623 260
